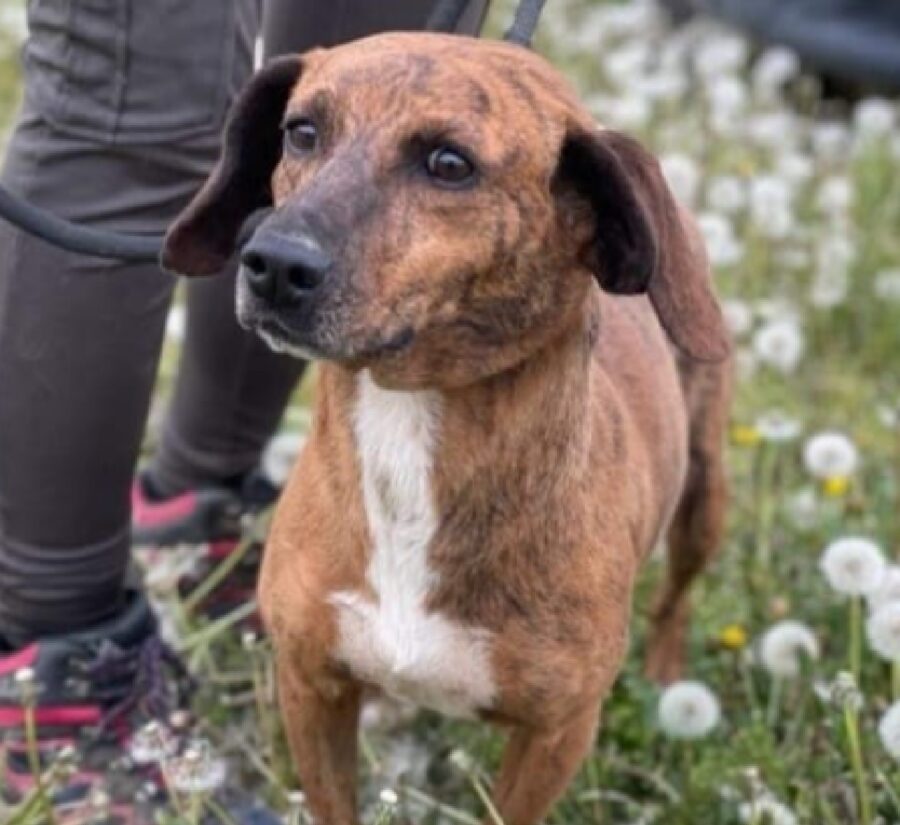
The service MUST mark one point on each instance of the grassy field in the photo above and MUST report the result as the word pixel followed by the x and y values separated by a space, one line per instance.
pixel 799 199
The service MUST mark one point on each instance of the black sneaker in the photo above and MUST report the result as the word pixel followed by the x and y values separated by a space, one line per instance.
pixel 97 698
pixel 207 515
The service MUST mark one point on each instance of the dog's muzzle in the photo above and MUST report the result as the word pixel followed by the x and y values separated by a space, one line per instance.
pixel 283 271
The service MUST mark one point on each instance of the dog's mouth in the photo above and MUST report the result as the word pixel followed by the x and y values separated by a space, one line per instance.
pixel 281 339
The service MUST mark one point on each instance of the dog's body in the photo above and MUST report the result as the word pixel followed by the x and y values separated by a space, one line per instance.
pixel 497 443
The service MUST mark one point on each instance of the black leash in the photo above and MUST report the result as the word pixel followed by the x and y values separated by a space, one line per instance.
pixel 118 246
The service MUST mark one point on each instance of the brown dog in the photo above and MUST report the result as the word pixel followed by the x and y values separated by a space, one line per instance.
pixel 498 443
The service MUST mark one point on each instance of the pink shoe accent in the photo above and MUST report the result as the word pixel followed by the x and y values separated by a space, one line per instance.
pixel 16 661
pixel 60 716
pixel 222 549
pixel 153 513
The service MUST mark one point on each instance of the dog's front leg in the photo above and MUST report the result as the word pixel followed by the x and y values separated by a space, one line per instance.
pixel 538 766
pixel 322 728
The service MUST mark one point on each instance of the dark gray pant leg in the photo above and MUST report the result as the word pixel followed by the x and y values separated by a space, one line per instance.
pixel 120 125
pixel 231 389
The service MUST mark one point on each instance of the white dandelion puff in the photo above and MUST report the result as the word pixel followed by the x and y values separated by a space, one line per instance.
pixel 802 508
pixel 887 591
pixel 775 67
pixel 874 117
pixel 197 770
pixel 835 196
pixel 768 809
pixel 682 175
pixel 738 316
pixel 779 344
pixel 883 631
pixel 726 194
pixel 723 247
pixel 280 456
pixel 688 710
pixel 830 141
pixel 777 427
pixel 889 730
pixel 785 645
pixel 853 565
pixel 829 454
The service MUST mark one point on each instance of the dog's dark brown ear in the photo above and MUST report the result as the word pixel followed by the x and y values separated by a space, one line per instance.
pixel 203 236
pixel 641 241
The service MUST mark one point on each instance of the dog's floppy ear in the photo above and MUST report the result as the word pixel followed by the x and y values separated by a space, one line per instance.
pixel 642 241
pixel 203 236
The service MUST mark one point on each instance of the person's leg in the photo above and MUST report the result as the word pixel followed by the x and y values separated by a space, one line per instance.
pixel 231 389
pixel 116 132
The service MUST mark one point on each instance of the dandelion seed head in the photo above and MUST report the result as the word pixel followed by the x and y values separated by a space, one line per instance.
pixel 883 631
pixel 688 710
pixel 779 344
pixel 889 730
pixel 830 453
pixel 777 427
pixel 853 565
pixel 887 591
pixel 783 647
pixel 766 808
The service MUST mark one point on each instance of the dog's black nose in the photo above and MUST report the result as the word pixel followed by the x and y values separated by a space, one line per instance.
pixel 283 269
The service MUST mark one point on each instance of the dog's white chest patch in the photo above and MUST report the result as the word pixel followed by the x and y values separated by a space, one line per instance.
pixel 393 641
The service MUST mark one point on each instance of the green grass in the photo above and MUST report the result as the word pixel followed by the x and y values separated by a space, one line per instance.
pixel 784 737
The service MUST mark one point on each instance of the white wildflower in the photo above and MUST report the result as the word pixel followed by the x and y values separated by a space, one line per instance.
pixel 889 730
pixel 721 244
pixel 794 167
pixel 726 193
pixel 853 565
pixel 727 97
pixel 688 710
pixel 830 287
pixel 785 645
pixel 197 770
pixel 623 64
pixel 777 427
pixel 683 176
pixel 874 117
pixel 835 196
pixel 845 693
pixel 723 54
pixel 152 743
pixel 779 344
pixel 886 285
pixel 792 257
pixel 629 111
pixel 770 206
pixel 772 130
pixel 389 798
pixel 803 508
pixel 738 316
pixel 829 454
pixel 766 809
pixel 883 631
pixel 775 67
pixel 281 455
pixel 831 141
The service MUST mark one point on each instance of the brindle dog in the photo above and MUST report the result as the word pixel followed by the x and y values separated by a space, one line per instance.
pixel 525 382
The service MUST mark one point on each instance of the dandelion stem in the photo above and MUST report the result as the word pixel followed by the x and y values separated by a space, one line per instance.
pixel 856 637
pixel 864 806
pixel 895 679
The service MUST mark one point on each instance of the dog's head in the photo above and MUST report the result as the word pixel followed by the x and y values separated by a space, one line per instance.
pixel 442 205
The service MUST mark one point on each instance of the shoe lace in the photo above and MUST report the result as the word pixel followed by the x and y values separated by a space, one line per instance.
pixel 159 681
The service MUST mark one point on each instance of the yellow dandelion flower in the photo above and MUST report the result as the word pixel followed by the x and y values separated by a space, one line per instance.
pixel 835 486
pixel 745 435
pixel 733 637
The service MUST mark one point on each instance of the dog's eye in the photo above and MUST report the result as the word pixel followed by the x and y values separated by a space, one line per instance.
pixel 449 166
pixel 301 136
